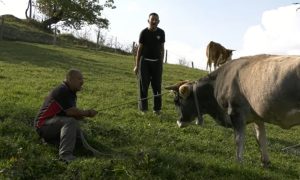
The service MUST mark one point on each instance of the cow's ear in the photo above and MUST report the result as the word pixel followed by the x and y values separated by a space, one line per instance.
pixel 176 86
pixel 172 88
pixel 184 91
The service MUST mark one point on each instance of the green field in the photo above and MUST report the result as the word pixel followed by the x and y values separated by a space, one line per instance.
pixel 134 146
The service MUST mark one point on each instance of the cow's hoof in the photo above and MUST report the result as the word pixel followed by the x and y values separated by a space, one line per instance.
pixel 199 123
pixel 181 124
pixel 266 164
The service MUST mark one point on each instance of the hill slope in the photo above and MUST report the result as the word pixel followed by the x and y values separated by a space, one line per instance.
pixel 134 146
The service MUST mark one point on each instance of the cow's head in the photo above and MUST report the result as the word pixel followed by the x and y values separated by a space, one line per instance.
pixel 185 101
pixel 229 54
pixel 226 56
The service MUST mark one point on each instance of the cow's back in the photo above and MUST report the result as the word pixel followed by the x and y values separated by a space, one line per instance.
pixel 213 50
pixel 269 85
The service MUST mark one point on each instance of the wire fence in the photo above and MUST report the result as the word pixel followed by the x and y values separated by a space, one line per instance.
pixel 179 59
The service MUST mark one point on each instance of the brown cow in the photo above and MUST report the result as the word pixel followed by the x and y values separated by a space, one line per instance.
pixel 217 54
pixel 259 89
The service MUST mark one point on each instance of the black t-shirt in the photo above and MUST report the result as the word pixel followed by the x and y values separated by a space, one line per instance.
pixel 152 42
pixel 60 99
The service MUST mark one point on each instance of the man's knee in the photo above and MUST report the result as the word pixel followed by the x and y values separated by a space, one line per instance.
pixel 70 121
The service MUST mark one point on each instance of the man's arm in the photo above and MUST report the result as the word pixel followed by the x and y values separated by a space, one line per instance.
pixel 162 52
pixel 78 113
pixel 138 57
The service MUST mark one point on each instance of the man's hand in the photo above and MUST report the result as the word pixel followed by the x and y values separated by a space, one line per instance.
pixel 79 113
pixel 92 113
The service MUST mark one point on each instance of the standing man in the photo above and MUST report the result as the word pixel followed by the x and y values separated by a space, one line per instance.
pixel 149 63
pixel 58 117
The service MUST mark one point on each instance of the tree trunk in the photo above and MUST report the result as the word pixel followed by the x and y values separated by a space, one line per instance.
pixel 52 20
pixel 98 39
pixel 29 7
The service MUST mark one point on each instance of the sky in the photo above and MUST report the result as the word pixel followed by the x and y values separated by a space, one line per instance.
pixel 249 27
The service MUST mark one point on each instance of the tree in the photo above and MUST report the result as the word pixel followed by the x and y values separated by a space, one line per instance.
pixel 100 37
pixel 74 13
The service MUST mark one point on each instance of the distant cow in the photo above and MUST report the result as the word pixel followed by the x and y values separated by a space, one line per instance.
pixel 217 54
pixel 258 89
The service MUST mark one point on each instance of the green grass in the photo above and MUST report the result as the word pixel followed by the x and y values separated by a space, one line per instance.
pixel 140 147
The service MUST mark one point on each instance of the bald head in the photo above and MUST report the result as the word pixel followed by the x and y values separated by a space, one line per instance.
pixel 72 73
pixel 74 79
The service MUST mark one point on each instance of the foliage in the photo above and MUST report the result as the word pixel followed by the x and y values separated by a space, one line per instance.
pixel 74 13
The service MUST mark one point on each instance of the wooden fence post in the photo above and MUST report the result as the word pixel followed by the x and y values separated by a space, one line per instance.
pixel 55 36
pixel 133 48
pixel 166 58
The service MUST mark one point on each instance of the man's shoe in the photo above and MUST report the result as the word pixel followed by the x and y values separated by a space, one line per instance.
pixel 157 112
pixel 142 112
pixel 67 158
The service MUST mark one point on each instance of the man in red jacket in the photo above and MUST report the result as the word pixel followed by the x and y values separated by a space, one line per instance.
pixel 58 117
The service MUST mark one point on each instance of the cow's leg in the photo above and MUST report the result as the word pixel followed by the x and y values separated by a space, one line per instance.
pixel 215 65
pixel 262 142
pixel 208 65
pixel 239 140
pixel 238 123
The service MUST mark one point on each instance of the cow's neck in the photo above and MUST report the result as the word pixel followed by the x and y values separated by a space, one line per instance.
pixel 205 94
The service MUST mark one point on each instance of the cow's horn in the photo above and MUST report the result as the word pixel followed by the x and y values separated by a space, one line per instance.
pixel 184 91
pixel 176 86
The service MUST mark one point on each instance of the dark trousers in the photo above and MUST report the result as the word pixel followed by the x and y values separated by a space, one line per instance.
pixel 150 72
pixel 64 130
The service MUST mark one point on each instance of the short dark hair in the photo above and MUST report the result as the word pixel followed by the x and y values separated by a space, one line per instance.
pixel 153 14
pixel 71 73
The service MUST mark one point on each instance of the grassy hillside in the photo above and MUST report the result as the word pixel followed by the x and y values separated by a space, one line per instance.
pixel 31 31
pixel 134 146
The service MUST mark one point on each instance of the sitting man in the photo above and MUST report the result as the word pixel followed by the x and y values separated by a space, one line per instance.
pixel 58 117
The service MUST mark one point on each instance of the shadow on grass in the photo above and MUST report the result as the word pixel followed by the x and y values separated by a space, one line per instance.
pixel 152 163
